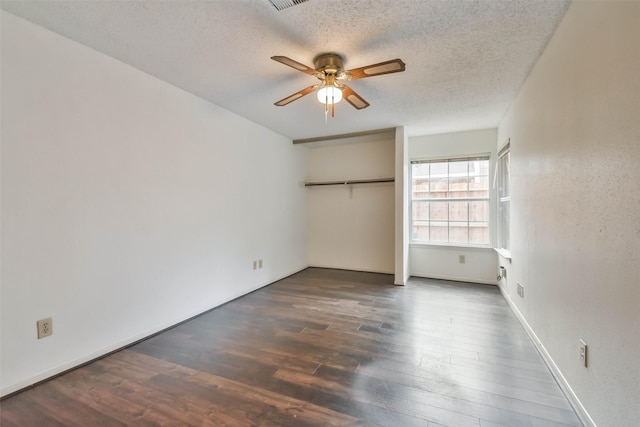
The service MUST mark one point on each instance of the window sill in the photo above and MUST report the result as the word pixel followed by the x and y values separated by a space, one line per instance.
pixel 450 246
pixel 503 253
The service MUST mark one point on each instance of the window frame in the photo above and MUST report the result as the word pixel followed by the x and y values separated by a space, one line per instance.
pixel 502 184
pixel 488 200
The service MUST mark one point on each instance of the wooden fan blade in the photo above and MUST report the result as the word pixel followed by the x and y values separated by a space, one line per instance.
pixel 294 64
pixel 387 67
pixel 295 96
pixel 353 98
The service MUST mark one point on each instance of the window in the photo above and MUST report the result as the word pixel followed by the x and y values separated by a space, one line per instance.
pixel 504 198
pixel 450 201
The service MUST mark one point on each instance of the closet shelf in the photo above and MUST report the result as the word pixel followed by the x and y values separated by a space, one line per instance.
pixel 348 182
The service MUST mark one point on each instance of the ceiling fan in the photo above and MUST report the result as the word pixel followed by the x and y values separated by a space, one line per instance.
pixel 329 69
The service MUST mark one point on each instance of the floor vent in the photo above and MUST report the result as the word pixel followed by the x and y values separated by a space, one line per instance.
pixel 283 4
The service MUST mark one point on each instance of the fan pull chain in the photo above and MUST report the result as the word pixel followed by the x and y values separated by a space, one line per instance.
pixel 326 107
pixel 333 106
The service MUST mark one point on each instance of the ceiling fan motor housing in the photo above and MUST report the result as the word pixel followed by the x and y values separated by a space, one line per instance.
pixel 329 63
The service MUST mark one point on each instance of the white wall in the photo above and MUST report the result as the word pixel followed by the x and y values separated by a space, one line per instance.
pixel 127 204
pixel 575 162
pixel 440 261
pixel 402 207
pixel 352 226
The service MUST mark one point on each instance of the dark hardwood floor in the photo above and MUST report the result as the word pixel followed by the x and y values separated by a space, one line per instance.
pixel 320 348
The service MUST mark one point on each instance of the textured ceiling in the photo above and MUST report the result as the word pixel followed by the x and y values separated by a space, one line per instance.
pixel 466 60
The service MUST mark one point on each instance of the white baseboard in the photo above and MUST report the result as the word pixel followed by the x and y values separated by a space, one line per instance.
pixel 364 270
pixel 581 411
pixel 128 341
pixel 456 278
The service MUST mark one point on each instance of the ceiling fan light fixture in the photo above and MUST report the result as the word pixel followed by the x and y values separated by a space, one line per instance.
pixel 329 95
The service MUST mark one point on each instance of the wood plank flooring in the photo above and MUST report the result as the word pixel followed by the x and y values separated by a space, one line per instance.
pixel 320 348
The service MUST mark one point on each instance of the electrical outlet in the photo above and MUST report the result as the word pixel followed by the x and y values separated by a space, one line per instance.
pixel 520 290
pixel 583 353
pixel 45 327
pixel 255 264
pixel 461 259
pixel 259 263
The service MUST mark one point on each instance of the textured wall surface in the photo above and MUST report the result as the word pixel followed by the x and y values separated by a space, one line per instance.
pixel 127 204
pixel 575 156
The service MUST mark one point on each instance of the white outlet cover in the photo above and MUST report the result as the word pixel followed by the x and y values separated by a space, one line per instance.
pixel 584 353
pixel 45 327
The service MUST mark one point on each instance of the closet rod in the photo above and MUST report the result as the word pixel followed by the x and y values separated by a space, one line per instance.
pixel 350 181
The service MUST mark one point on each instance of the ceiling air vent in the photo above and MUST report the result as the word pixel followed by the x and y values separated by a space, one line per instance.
pixel 283 4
